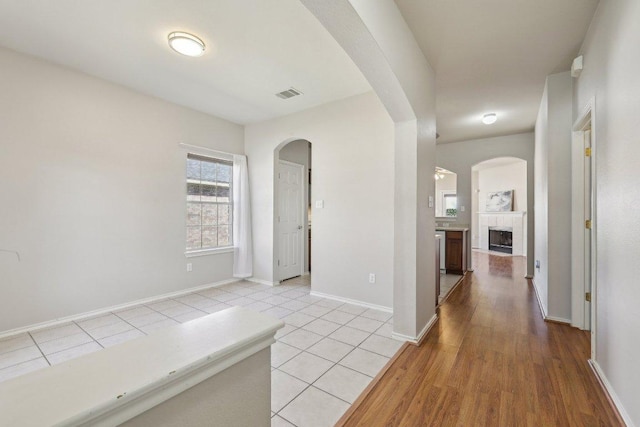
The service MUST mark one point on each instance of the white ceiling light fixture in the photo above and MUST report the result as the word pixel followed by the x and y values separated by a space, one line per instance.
pixel 489 119
pixel 186 44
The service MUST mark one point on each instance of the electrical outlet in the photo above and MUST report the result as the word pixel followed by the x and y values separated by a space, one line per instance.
pixel 189 267
pixel 372 278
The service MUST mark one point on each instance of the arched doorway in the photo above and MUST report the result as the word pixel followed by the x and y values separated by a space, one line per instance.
pixel 292 210
pixel 499 204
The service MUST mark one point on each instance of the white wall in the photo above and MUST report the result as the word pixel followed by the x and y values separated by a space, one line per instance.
pixel 508 177
pixel 460 157
pixel 500 178
pixel 553 198
pixel 378 40
pixel 300 152
pixel 541 252
pixel 352 171
pixel 92 184
pixel 415 132
pixel 475 217
pixel 610 74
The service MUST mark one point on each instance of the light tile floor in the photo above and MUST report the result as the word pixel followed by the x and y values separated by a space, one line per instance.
pixel 324 357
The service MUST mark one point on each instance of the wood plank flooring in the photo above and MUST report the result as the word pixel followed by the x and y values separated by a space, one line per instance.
pixel 490 361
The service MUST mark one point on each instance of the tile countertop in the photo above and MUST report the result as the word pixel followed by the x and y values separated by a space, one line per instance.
pixel 452 229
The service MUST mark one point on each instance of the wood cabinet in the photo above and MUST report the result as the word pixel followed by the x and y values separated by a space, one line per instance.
pixel 456 252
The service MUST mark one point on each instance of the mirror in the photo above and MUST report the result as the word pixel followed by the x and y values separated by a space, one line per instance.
pixel 446 193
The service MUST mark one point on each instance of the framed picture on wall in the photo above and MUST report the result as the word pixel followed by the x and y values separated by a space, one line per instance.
pixel 500 201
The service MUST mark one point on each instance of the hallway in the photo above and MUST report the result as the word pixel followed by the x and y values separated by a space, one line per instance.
pixel 490 361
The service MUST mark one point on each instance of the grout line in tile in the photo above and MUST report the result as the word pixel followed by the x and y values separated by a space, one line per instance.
pixel 88 333
pixel 324 391
pixel 127 322
pixel 39 349
pixel 293 398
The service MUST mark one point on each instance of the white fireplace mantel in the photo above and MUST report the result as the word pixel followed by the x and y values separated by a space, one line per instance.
pixel 515 220
pixel 512 213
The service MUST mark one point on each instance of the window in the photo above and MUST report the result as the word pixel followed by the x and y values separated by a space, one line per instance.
pixel 209 203
pixel 450 203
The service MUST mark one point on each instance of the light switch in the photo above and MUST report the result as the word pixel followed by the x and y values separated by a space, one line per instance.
pixel 461 208
pixel 430 201
pixel 319 204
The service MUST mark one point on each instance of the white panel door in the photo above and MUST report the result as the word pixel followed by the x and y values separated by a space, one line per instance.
pixel 290 219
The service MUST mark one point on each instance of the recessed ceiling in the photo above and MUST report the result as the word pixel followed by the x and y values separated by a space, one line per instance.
pixel 492 56
pixel 254 49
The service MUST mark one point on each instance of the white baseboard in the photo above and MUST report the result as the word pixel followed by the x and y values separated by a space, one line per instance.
pixel 558 319
pixel 542 309
pixel 423 332
pixel 352 301
pixel 105 310
pixel 262 282
pixel 545 316
pixel 612 394
pixel 528 276
pixel 306 273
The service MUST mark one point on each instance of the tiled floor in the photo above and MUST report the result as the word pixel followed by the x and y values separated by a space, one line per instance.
pixel 327 353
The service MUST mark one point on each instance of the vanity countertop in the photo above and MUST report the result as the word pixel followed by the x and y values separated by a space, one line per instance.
pixel 452 229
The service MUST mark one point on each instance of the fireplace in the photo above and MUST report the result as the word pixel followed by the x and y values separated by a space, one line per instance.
pixel 501 239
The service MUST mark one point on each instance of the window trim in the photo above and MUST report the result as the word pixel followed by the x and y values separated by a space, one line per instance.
pixel 209 251
pixel 207 152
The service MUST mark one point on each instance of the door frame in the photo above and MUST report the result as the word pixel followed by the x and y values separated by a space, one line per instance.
pixel 586 120
pixel 276 222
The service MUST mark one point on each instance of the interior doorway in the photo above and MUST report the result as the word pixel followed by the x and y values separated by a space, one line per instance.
pixel 499 203
pixel 292 216
pixel 583 231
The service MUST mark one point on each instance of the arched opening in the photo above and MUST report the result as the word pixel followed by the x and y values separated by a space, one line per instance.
pixel 499 201
pixel 292 210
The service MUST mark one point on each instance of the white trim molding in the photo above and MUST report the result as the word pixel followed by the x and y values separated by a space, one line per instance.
pixel 423 332
pixel 261 282
pixel 119 307
pixel 543 312
pixel 210 251
pixel 206 151
pixel 352 301
pixel 611 392
pixel 558 319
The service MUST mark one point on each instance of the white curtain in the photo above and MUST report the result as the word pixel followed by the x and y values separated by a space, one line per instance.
pixel 243 245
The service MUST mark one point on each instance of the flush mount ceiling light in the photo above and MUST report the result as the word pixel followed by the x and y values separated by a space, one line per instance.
pixel 489 119
pixel 186 44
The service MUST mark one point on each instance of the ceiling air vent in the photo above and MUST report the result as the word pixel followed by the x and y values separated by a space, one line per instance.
pixel 290 93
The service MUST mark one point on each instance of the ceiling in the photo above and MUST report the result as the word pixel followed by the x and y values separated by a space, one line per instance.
pixel 489 55
pixel 255 48
pixel 493 56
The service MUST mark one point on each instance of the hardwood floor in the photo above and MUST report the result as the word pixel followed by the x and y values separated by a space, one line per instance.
pixel 490 361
